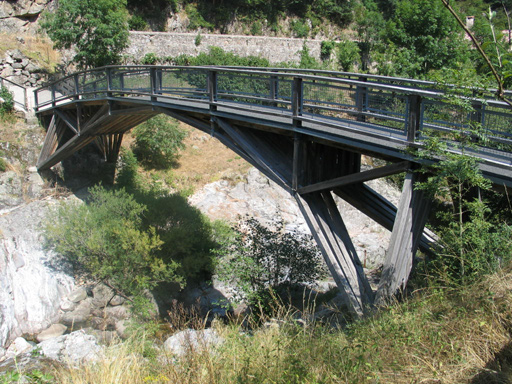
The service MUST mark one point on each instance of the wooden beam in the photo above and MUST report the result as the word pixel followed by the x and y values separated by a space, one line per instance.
pixel 48 139
pixel 355 178
pixel 378 208
pixel 330 233
pixel 254 150
pixel 409 223
pixel 66 120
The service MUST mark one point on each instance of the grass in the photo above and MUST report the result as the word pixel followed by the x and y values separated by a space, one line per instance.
pixel 439 335
pixel 37 48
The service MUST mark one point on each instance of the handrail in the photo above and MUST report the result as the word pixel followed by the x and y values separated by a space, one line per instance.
pixel 19 93
pixel 395 106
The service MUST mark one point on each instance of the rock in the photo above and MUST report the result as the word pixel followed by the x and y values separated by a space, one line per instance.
pixel 77 318
pixel 118 312
pixel 190 340
pixel 78 295
pixel 67 305
pixel 11 190
pixel 33 281
pixel 117 300
pixel 77 347
pixel 102 295
pixel 18 346
pixel 53 331
pixel 122 329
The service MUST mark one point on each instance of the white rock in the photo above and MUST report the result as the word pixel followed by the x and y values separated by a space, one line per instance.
pixel 67 305
pixel 18 346
pixel 189 340
pixel 78 295
pixel 55 330
pixel 73 348
pixel 31 288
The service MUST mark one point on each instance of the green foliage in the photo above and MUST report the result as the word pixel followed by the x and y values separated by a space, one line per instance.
pixel 326 49
pixel 197 40
pixel 149 59
pixel 196 19
pixel 33 377
pixel 137 23
pixel 257 28
pixel 347 54
pixel 158 141
pixel 104 238
pixel 306 60
pixel 96 29
pixel 421 36
pixel 7 106
pixel 255 258
pixel 300 28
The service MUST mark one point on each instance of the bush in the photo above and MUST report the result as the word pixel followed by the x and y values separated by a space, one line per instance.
pixel 300 28
pixel 326 49
pixel 137 23
pixel 157 141
pixel 348 54
pixel 104 239
pixel 149 59
pixel 256 258
pixel 8 104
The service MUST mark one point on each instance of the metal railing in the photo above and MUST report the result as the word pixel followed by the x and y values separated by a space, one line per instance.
pixel 393 107
pixel 19 93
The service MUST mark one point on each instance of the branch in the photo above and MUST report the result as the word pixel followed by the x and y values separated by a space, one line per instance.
pixel 500 93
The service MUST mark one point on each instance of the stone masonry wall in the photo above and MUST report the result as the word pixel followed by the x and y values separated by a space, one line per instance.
pixel 164 44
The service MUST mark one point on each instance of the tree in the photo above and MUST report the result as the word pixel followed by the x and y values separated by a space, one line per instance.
pixel 96 29
pixel 256 258
pixel 106 240
pixel 422 36
pixel 157 141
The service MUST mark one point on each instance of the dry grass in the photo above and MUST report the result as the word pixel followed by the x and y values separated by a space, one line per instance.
pixel 438 336
pixel 36 48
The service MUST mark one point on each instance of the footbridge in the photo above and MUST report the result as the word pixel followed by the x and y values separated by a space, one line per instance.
pixel 305 130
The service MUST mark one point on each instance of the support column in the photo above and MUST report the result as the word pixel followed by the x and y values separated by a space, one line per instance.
pixel 331 235
pixel 410 220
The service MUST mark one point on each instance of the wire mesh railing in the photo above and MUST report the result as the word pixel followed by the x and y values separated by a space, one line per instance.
pixel 401 107
pixel 18 92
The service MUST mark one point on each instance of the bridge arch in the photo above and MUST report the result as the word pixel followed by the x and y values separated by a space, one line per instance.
pixel 305 130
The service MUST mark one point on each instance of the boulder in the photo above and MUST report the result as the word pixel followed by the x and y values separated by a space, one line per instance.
pixel 18 346
pixel 77 295
pixel 102 295
pixel 190 339
pixel 74 348
pixel 53 331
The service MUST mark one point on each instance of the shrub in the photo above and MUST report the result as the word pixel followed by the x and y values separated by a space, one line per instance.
pixel 257 28
pixel 256 258
pixel 149 59
pixel 157 141
pixel 347 54
pixel 8 104
pixel 197 40
pixel 137 23
pixel 326 49
pixel 104 239
pixel 300 28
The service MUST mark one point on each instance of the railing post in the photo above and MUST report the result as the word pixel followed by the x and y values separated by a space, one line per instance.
pixel 36 101
pixel 212 89
pixel 53 95
pixel 297 101
pixel 361 103
pixel 152 76
pixel 274 88
pixel 109 82
pixel 413 118
pixel 77 87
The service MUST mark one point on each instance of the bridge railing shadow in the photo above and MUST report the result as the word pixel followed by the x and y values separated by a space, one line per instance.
pixel 390 107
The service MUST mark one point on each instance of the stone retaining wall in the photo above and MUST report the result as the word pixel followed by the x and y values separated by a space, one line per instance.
pixel 164 44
